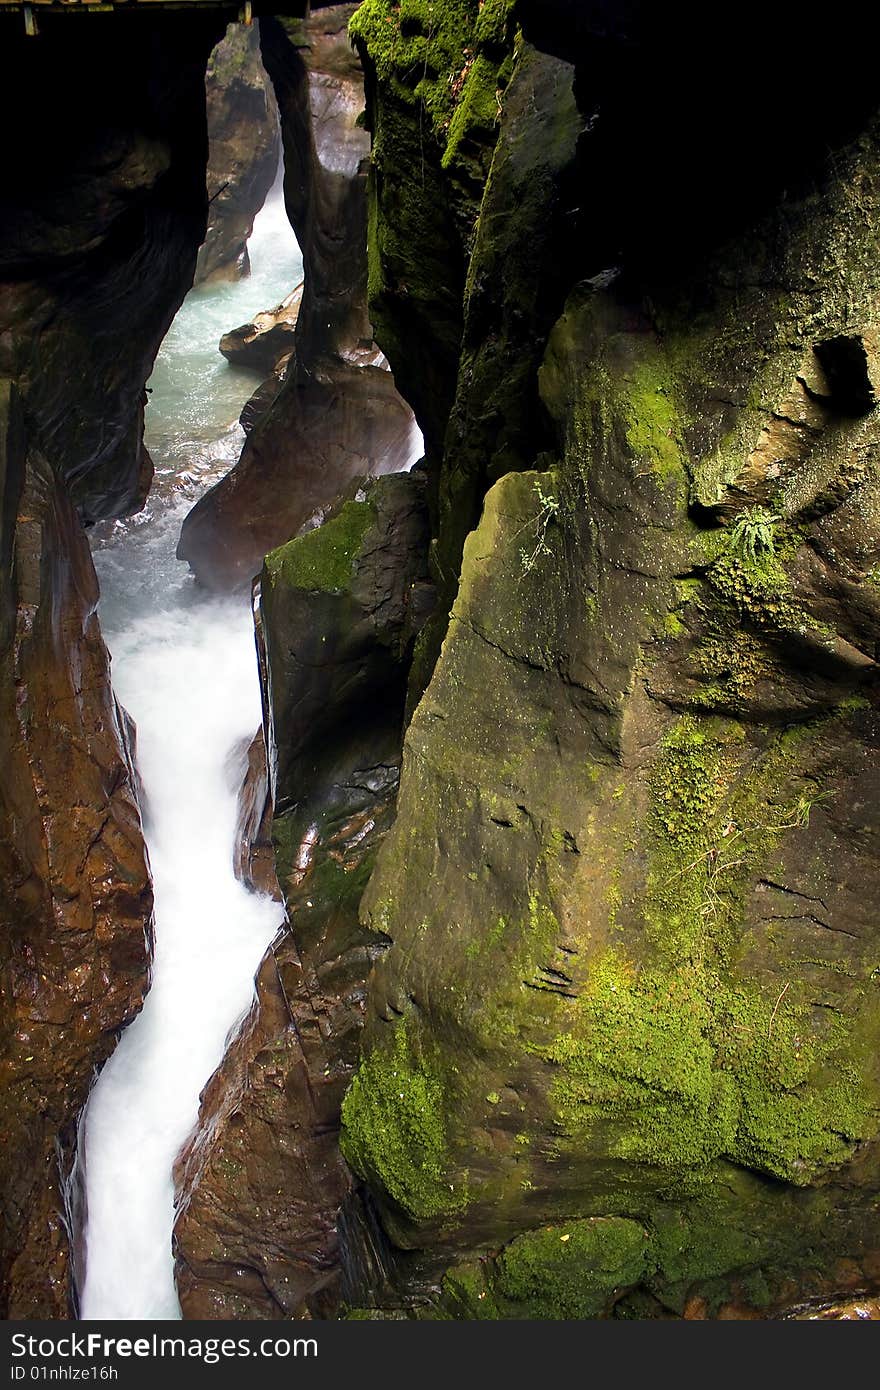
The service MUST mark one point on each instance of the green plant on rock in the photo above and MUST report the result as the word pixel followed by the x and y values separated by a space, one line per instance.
pixel 751 573
pixel 549 512
pixel 753 533
pixel 574 1270
pixel 805 805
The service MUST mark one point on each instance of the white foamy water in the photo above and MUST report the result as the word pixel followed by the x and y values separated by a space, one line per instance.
pixel 184 666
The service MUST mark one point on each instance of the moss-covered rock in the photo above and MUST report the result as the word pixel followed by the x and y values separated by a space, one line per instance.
pixel 322 558
pixel 395 1118
pixel 627 890
pixel 450 57
pixel 435 73
pixel 574 1270
pixel 262 1182
pixel 341 606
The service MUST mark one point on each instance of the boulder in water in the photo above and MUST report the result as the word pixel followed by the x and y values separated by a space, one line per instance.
pixel 321 432
pixel 270 336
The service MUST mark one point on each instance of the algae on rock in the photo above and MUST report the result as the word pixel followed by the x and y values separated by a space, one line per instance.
pixel 632 961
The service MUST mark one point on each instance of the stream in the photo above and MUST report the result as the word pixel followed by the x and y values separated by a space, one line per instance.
pixel 184 666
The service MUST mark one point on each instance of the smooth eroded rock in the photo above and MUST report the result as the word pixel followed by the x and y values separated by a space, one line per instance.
pixel 336 414
pixel 262 1183
pixel 75 894
pixel 244 150
pixel 102 209
pixel 269 337
pixel 319 434
pixel 254 855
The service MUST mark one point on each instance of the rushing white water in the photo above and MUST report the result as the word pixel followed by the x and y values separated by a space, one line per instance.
pixel 184 666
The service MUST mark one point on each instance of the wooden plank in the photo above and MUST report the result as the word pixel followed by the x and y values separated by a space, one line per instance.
pixel 110 5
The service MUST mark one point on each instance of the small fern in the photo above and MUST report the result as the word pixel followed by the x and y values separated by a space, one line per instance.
pixel 753 533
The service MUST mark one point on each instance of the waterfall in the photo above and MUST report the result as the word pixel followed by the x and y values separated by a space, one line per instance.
pixel 184 666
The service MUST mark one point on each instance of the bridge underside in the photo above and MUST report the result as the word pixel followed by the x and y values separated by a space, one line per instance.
pixel 34 10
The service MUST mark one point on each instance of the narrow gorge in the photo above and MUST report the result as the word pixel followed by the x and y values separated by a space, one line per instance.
pixel 439 616
pixel 184 666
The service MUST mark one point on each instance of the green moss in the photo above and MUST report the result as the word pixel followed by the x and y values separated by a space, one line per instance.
pixel 556 1272
pixel 571 1270
pixel 758 589
pixel 379 1314
pixel 614 897
pixel 689 778
pixel 746 608
pixel 641 1064
pixel 652 419
pixel 729 1231
pixel 285 843
pixel 745 616
pixel 511 952
pixel 449 56
pixel 487 943
pixel 693 1244
pixel 738 1239
pixel 692 1047
pixel 322 559
pixel 732 661
pixel 394 1119
pixel 803 1106
pixel 676 1072
pixel 233 60
pixel 416 46
pixel 466 1295
pixel 479 107
pixel 630 390
pixel 295 29
pixel 679 1062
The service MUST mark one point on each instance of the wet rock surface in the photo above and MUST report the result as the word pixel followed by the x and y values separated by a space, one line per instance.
pixel 341 607
pixel 265 394
pixel 575 1014
pixel 270 336
pixel 262 1182
pixel 314 438
pixel 100 221
pixel 337 414
pixel 645 749
pixel 244 149
pixel 99 226
pixel 253 849
pixel 75 903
